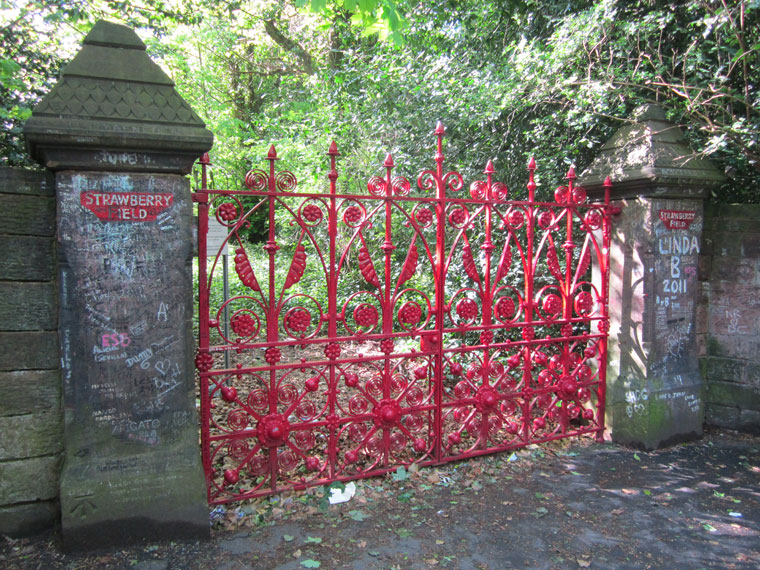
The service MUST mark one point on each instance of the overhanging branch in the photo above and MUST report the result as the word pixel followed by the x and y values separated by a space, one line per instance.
pixel 289 45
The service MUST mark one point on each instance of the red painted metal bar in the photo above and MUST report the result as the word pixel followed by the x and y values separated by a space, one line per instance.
pixel 204 359
pixel 529 272
pixel 332 309
pixel 341 371
pixel 440 291
pixel 603 325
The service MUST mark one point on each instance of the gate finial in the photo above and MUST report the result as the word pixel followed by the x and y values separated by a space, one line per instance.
pixel 531 181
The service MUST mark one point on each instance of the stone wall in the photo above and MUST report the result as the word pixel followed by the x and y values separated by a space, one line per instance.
pixel 31 438
pixel 729 316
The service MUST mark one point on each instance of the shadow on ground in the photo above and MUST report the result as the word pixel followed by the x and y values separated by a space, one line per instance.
pixel 576 505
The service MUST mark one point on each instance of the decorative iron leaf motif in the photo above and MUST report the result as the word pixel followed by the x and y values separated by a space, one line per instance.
pixel 504 263
pixel 410 264
pixel 469 264
pixel 583 263
pixel 297 267
pixel 244 270
pixel 553 263
pixel 367 268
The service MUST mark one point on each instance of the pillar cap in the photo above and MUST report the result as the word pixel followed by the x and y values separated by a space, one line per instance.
pixel 651 157
pixel 114 109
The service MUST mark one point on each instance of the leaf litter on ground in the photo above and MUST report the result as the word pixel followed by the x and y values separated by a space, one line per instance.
pixel 406 484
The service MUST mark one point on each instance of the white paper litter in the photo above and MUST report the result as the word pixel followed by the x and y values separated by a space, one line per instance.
pixel 338 496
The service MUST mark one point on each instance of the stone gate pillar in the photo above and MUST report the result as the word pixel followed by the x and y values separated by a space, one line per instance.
pixel 121 140
pixel 654 387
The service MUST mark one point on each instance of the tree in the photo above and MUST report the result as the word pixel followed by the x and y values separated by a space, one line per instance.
pixel 38 38
pixel 509 78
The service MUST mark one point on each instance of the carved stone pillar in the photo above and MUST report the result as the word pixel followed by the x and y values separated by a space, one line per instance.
pixel 121 141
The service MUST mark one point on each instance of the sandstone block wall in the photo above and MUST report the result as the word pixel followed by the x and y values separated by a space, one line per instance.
pixel 729 316
pixel 31 437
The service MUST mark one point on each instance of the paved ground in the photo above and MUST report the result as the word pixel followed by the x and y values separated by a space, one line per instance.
pixel 575 505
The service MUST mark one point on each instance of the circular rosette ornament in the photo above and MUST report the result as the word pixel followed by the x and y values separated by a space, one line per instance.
pixel 562 195
pixel 467 309
pixel 366 317
pixel 515 218
pixel 387 345
pixel 505 309
pixel 424 216
pixel 204 361
pixel 545 219
pixel 245 324
pixel 272 355
pixel 353 216
pixel 301 316
pixel 458 216
pixel 332 351
pixel 593 219
pixel 584 303
pixel 410 314
pixel 311 214
pixel 227 213
pixel 578 195
pixel 565 196
pixel 297 320
pixel 552 306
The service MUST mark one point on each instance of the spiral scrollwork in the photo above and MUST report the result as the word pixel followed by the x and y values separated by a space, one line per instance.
pixel 499 191
pixel 257 180
pixel 376 186
pixel 285 181
pixel 426 180
pixel 400 186
pixel 453 181
pixel 479 190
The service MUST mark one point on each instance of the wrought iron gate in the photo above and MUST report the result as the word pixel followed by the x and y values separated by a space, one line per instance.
pixel 395 326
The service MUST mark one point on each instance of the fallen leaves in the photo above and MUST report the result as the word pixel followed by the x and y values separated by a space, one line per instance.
pixel 358 515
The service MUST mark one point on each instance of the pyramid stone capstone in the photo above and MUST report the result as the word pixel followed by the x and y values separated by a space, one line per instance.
pixel 114 107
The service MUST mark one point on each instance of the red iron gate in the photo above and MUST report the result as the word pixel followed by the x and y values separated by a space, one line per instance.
pixel 395 326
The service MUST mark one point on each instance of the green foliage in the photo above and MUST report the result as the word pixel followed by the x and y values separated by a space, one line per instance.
pixel 508 78
pixel 38 38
